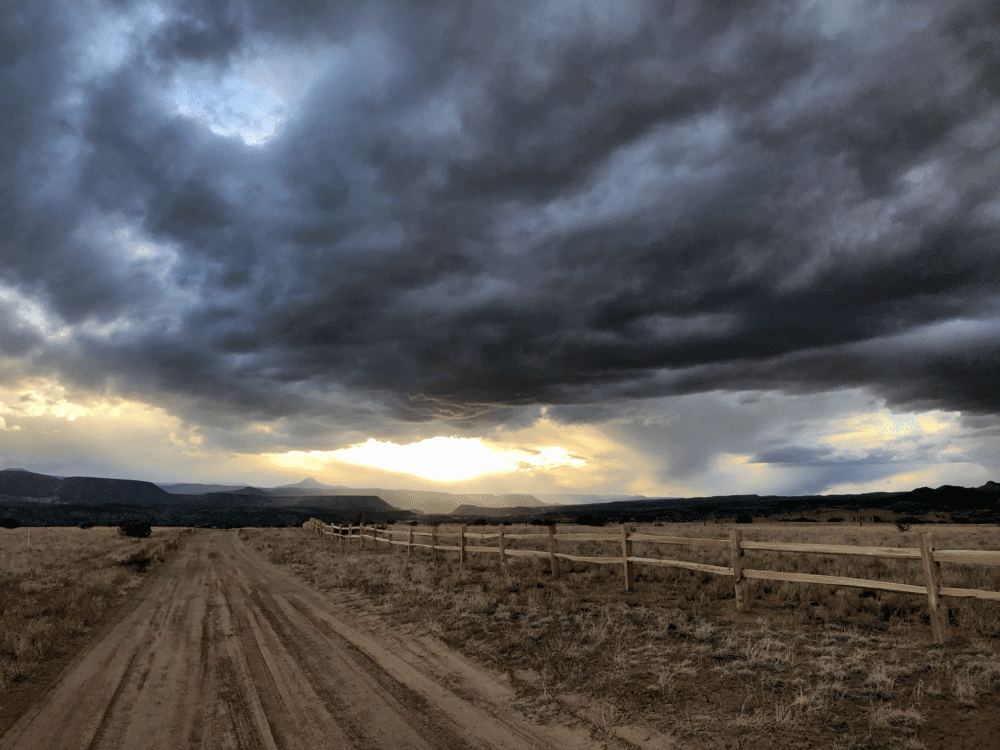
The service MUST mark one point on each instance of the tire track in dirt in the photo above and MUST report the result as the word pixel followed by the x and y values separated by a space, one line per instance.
pixel 435 726
pixel 287 653
pixel 224 650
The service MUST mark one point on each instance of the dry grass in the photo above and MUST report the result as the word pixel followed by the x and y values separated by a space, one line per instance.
pixel 67 582
pixel 846 668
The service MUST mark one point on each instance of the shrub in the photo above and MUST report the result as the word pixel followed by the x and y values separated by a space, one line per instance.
pixel 135 528
pixel 588 520
pixel 9 523
pixel 87 525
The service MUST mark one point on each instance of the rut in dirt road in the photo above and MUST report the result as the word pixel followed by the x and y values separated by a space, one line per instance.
pixel 226 651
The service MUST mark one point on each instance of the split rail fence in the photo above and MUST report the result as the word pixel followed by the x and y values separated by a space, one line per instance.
pixel 930 558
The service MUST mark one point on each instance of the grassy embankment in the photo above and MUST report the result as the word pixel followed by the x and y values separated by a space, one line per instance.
pixel 66 583
pixel 835 667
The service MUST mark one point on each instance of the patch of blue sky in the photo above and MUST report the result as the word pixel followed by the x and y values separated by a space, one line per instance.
pixel 258 92
pixel 235 106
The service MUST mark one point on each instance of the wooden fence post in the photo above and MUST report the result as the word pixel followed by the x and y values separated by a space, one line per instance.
pixel 626 553
pixel 932 578
pixel 434 544
pixel 553 560
pixel 736 552
pixel 409 545
pixel 461 549
pixel 503 553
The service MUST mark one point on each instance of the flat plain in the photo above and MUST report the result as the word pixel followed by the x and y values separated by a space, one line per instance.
pixel 218 648
pixel 809 666
pixel 281 638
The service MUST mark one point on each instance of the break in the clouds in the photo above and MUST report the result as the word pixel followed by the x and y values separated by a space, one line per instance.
pixel 688 244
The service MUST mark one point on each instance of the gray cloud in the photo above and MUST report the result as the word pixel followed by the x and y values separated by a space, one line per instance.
pixel 801 456
pixel 477 213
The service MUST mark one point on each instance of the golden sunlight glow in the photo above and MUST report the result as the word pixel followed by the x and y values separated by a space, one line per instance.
pixel 42 406
pixel 439 459
pixel 872 430
pixel 41 397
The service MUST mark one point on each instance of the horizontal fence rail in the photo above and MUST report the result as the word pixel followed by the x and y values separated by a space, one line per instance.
pixel 929 557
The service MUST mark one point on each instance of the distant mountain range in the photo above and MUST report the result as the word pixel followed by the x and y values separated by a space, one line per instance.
pixel 420 501
pixel 957 504
pixel 46 500
pixel 25 496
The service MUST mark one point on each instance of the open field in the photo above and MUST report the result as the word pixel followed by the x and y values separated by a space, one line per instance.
pixel 809 666
pixel 224 651
pixel 55 592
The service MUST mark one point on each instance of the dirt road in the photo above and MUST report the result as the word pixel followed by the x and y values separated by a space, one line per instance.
pixel 223 650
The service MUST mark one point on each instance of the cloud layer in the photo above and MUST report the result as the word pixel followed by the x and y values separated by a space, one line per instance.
pixel 464 213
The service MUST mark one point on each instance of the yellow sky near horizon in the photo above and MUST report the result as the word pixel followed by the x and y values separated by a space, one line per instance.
pixel 46 427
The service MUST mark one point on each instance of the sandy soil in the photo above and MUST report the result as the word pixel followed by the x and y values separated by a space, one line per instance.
pixel 223 650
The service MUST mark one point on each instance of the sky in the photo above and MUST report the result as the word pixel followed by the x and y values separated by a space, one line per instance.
pixel 587 247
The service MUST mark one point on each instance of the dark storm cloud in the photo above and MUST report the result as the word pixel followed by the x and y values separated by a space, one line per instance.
pixel 16 338
pixel 487 208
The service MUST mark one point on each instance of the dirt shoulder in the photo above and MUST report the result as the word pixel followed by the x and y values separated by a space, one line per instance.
pixel 223 650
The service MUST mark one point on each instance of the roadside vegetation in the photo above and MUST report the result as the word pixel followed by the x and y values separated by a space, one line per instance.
pixel 809 666
pixel 53 592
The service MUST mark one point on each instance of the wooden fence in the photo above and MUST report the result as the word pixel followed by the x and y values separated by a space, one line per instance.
pixel 930 557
